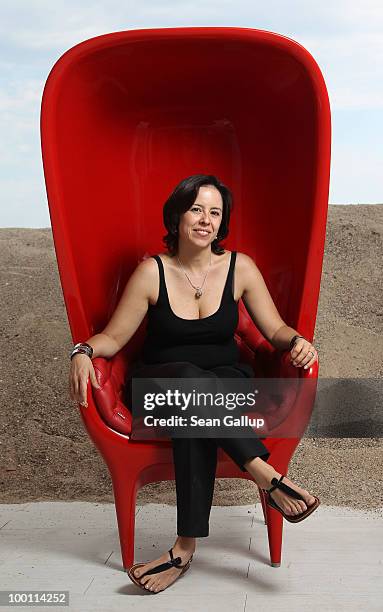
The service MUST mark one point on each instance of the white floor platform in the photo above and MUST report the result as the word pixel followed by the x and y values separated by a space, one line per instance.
pixel 332 562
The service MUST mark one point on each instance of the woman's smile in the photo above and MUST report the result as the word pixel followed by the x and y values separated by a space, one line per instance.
pixel 202 232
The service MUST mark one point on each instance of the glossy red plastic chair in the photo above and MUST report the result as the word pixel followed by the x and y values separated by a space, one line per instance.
pixel 125 117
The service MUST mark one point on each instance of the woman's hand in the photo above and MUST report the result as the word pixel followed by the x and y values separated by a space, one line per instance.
pixel 80 371
pixel 303 354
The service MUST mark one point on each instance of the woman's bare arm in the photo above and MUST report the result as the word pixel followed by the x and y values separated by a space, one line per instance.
pixel 260 306
pixel 129 313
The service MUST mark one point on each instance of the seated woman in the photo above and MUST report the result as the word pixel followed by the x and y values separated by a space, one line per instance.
pixel 191 296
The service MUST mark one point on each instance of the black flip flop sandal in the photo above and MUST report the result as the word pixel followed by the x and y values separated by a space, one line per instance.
pixel 174 562
pixel 277 484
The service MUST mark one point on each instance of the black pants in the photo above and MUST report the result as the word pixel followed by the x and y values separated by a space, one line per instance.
pixel 195 459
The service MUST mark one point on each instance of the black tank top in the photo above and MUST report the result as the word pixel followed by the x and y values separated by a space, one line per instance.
pixel 208 342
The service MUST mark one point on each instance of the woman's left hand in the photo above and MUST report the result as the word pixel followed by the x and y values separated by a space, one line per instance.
pixel 303 354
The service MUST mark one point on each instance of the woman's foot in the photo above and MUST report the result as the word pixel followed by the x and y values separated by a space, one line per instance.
pixel 184 548
pixel 263 473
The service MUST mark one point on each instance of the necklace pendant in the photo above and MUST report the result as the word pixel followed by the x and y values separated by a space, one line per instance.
pixel 198 293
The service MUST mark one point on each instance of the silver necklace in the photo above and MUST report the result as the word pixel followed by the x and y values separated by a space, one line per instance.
pixel 198 289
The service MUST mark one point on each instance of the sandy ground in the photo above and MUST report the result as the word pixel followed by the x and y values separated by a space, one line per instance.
pixel 45 451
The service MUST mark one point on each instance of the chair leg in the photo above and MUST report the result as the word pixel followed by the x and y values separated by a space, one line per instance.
pixel 274 530
pixel 125 502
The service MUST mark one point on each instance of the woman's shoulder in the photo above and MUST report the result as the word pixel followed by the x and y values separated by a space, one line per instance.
pixel 245 260
pixel 147 267
pixel 147 272
pixel 149 264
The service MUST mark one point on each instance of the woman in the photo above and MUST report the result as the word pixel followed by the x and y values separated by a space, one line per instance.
pixel 191 296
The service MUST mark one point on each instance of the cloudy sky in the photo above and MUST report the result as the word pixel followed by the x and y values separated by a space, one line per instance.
pixel 345 38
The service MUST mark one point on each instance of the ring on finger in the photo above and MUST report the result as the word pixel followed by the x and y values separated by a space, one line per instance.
pixel 307 358
pixel 304 361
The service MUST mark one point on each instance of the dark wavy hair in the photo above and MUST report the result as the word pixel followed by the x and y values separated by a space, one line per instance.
pixel 183 197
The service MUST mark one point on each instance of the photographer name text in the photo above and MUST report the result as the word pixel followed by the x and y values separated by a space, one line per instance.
pixel 195 421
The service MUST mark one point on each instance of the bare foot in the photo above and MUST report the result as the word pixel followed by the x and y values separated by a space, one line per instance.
pixel 288 504
pixel 263 473
pixel 160 581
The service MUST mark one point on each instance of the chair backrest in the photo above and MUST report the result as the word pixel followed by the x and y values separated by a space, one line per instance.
pixel 126 116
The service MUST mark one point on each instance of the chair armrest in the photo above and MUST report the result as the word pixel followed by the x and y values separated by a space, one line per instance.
pixel 291 398
pixel 110 375
pixel 285 397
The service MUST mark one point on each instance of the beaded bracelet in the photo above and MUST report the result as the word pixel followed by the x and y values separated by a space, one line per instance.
pixel 82 347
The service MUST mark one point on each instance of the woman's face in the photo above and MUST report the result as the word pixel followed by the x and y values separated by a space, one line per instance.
pixel 200 224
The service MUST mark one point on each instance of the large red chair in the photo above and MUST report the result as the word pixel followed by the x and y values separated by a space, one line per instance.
pixel 124 118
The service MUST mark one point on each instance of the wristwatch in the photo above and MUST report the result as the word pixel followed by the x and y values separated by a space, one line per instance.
pixel 294 339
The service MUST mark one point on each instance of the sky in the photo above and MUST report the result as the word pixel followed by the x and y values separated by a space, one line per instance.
pixel 344 37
